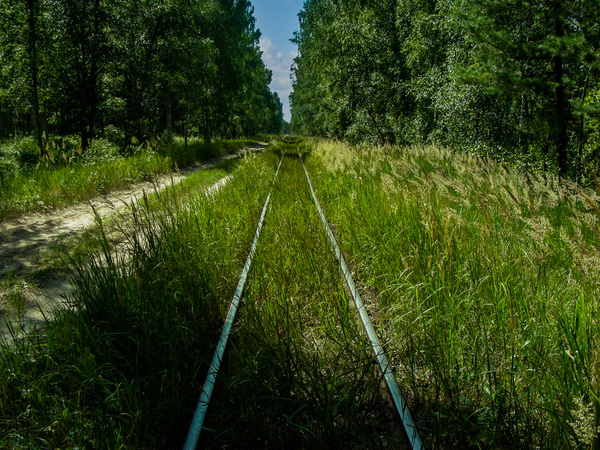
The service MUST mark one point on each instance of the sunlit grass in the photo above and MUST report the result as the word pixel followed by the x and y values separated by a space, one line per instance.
pixel 487 288
pixel 482 284
pixel 299 374
pixel 48 186
pixel 124 365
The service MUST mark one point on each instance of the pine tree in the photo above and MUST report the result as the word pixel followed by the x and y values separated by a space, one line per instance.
pixel 529 53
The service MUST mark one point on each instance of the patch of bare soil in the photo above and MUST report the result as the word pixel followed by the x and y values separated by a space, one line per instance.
pixel 31 283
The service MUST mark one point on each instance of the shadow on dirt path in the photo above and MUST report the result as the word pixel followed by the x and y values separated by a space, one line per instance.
pixel 25 249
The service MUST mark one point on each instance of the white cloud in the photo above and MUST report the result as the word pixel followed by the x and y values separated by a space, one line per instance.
pixel 279 63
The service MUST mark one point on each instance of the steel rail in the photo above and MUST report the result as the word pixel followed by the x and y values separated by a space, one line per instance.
pixel 401 406
pixel 207 389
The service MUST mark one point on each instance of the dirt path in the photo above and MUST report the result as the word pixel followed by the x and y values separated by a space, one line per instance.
pixel 26 243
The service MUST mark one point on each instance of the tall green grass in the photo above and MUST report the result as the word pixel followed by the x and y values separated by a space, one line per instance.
pixel 487 284
pixel 483 284
pixel 69 177
pixel 121 367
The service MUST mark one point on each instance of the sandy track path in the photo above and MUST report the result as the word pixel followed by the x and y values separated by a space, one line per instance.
pixel 27 241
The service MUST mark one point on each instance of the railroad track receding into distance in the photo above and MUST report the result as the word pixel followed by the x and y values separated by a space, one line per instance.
pixel 401 407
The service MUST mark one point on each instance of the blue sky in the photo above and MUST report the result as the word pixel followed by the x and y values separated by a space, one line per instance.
pixel 277 21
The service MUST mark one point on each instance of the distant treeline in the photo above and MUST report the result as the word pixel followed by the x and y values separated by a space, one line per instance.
pixel 136 68
pixel 515 79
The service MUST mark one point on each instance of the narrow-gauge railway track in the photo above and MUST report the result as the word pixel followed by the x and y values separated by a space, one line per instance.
pixel 215 365
pixel 413 437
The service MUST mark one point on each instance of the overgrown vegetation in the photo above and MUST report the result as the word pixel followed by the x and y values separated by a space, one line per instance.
pixel 299 372
pixel 133 70
pixel 486 287
pixel 482 284
pixel 66 175
pixel 122 365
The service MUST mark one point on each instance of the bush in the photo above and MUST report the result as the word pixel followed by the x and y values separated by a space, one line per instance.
pixel 9 163
pixel 29 153
pixel 100 151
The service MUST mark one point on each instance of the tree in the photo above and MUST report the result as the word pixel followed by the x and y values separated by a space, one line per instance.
pixel 514 79
pixel 20 50
pixel 32 50
pixel 531 54
pixel 142 67
pixel 79 25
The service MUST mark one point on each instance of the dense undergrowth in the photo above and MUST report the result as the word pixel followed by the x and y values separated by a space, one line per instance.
pixel 122 365
pixel 66 176
pixel 487 287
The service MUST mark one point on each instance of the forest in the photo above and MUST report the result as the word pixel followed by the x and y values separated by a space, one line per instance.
pixel 517 80
pixel 132 70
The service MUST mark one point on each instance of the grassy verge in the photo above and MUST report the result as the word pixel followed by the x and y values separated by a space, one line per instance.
pixel 486 286
pixel 20 289
pixel 121 367
pixel 68 178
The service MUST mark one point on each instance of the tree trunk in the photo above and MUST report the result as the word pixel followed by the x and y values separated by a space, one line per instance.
pixel 185 134
pixel 561 117
pixel 169 125
pixel 561 106
pixel 83 125
pixel 206 126
pixel 85 138
pixel 33 62
pixel 185 129
pixel 2 136
pixel 87 69
pixel 581 131
pixel 93 88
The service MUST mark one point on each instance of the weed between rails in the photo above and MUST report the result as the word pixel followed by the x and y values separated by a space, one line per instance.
pixel 487 286
pixel 122 366
pixel 298 373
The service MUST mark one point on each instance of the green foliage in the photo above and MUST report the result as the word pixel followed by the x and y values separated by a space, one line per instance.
pixel 142 68
pixel 480 281
pixel 9 163
pixel 298 373
pixel 66 175
pixel 592 145
pixel 122 364
pixel 538 58
pixel 506 79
